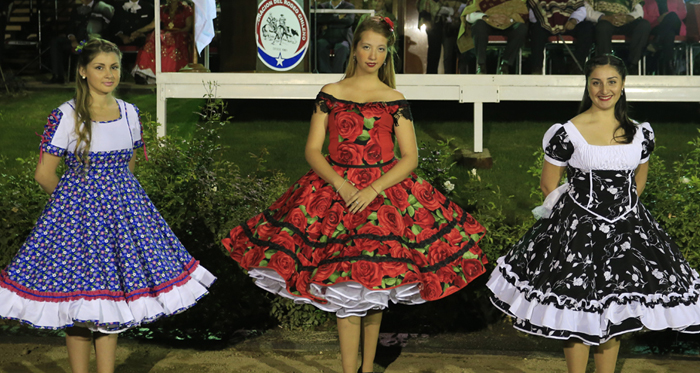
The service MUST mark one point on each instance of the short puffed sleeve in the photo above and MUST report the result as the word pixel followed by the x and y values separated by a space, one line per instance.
pixel 403 110
pixel 648 142
pixel 324 103
pixel 135 126
pixel 557 146
pixel 57 133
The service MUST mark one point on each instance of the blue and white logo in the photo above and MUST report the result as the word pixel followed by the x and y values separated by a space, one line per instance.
pixel 282 34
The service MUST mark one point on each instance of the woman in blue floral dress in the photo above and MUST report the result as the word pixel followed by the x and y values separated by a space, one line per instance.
pixel 100 259
pixel 597 264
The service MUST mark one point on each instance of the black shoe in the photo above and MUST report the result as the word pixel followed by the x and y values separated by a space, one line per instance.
pixel 481 69
pixel 55 80
pixel 504 69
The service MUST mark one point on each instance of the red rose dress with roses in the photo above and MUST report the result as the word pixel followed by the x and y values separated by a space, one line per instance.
pixel 410 245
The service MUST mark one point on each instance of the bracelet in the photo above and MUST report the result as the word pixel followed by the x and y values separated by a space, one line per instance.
pixel 372 186
pixel 341 185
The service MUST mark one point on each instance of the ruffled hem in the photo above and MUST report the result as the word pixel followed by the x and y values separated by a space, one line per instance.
pixel 103 315
pixel 593 328
pixel 344 299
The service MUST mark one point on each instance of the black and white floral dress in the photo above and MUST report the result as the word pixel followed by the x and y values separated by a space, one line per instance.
pixel 599 265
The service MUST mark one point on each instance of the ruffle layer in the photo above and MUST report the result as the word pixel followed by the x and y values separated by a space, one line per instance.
pixel 103 315
pixel 344 299
pixel 593 328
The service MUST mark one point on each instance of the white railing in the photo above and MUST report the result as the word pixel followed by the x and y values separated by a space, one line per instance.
pixel 475 89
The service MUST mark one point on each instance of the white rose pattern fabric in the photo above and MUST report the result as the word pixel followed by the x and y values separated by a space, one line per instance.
pixel 600 265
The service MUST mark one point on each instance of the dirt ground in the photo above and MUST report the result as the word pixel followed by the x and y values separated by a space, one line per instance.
pixel 498 349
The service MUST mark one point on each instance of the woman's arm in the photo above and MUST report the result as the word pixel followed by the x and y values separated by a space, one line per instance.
pixel 45 173
pixel 640 177
pixel 406 138
pixel 132 164
pixel 551 175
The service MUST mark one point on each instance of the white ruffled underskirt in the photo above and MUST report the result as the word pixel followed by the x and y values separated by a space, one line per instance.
pixel 344 299
pixel 102 315
pixel 677 317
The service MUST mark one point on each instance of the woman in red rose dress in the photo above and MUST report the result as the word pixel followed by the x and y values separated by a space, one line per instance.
pixel 361 229
pixel 176 20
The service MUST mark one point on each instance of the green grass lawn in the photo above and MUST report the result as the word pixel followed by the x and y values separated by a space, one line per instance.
pixel 511 143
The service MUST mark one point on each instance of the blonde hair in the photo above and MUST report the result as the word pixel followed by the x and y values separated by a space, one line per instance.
pixel 380 26
pixel 82 97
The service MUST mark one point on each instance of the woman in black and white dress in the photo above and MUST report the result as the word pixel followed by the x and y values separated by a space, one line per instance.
pixel 597 264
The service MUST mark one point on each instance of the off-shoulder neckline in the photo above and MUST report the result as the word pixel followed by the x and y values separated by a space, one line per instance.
pixel 387 103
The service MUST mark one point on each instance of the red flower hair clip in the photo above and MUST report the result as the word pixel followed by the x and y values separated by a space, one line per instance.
pixel 390 23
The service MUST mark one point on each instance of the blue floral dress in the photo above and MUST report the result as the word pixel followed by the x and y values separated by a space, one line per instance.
pixel 100 255
pixel 599 265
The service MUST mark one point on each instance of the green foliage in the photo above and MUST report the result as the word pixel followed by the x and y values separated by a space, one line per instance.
pixel 435 164
pixel 202 197
pixel 298 316
pixel 672 195
pixel 21 202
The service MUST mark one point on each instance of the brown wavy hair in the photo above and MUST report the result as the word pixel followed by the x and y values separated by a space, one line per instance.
pixel 82 98
pixel 380 26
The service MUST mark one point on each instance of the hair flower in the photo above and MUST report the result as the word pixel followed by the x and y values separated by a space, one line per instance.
pixel 79 48
pixel 390 23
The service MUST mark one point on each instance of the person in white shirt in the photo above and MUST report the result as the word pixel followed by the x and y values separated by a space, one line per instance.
pixel 619 17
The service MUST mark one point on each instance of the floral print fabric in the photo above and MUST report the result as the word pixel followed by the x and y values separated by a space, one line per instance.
pixel 600 265
pixel 410 234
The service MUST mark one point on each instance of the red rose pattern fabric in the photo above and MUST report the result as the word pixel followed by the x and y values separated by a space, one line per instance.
pixel 409 234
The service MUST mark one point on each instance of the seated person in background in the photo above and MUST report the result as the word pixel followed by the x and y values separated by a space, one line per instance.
pixel 666 19
pixel 88 18
pixel 482 18
pixel 619 17
pixel 132 21
pixel 335 32
pixel 553 17
pixel 380 9
pixel 176 18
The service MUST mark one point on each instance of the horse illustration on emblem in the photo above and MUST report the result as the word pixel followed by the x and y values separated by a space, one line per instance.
pixel 282 33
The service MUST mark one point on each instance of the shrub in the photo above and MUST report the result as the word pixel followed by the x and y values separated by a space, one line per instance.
pixel 672 195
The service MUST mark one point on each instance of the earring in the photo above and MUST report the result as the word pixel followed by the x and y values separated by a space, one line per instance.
pixel 83 76
pixel 354 58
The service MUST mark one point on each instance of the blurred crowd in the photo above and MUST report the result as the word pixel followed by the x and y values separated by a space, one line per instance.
pixel 460 32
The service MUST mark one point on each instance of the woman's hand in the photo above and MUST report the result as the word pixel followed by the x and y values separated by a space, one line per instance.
pixel 361 200
pixel 347 191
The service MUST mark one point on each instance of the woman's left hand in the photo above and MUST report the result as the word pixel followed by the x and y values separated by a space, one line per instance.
pixel 361 200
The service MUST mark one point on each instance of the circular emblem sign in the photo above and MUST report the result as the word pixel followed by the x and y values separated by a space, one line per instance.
pixel 282 34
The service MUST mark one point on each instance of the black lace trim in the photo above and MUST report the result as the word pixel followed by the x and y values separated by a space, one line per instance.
pixel 569 303
pixel 404 110
pixel 432 268
pixel 379 164
pixel 320 104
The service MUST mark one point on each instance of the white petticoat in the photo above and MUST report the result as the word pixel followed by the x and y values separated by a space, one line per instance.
pixel 344 299
pixel 102 315
pixel 677 317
